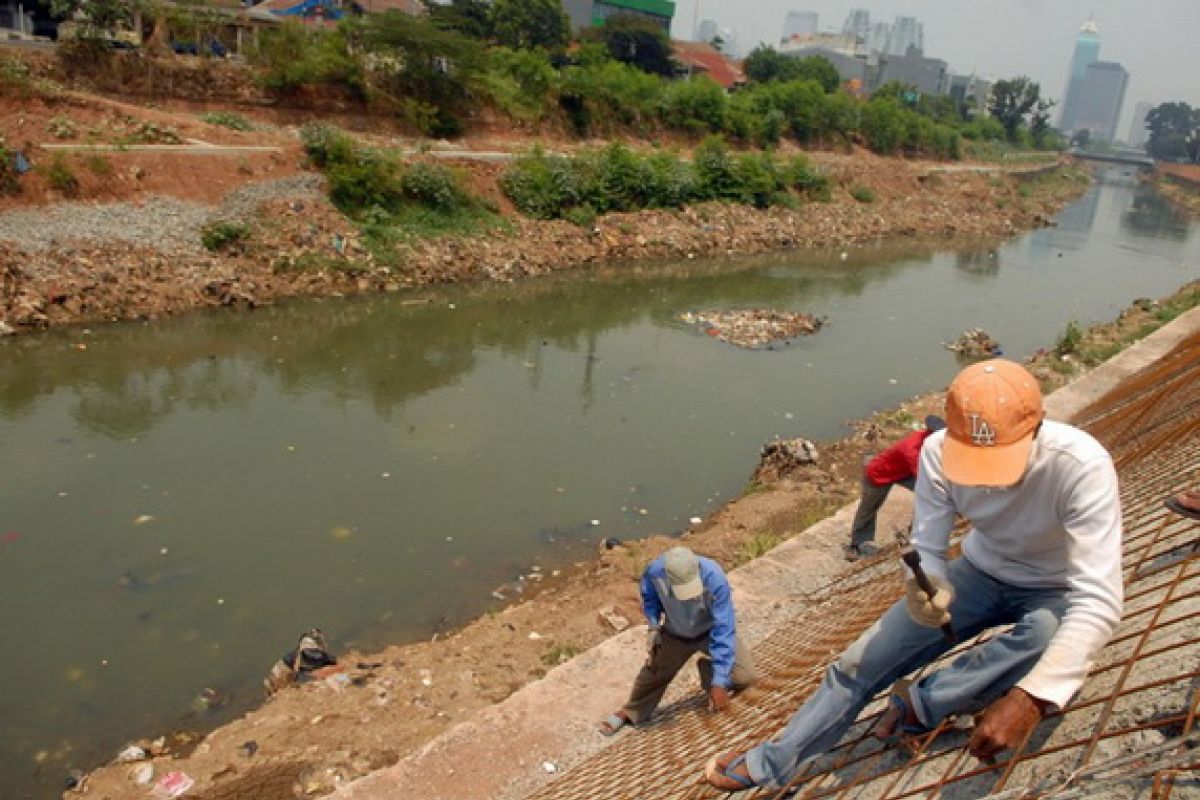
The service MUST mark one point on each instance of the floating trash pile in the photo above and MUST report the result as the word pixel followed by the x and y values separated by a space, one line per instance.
pixel 975 343
pixel 753 328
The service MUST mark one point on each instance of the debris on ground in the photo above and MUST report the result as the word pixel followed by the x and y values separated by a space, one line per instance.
pixel 609 615
pixel 753 328
pixel 974 343
pixel 783 457
pixel 307 659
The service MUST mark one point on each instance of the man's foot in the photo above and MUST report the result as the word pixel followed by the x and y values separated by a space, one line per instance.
pixel 613 723
pixel 899 716
pixel 1186 503
pixel 865 550
pixel 729 772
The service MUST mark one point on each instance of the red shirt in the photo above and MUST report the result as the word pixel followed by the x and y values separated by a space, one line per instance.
pixel 897 462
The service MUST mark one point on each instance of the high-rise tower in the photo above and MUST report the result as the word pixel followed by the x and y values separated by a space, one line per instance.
pixel 1087 52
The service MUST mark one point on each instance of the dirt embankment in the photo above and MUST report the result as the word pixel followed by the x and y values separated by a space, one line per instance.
pixel 309 739
pixel 1180 183
pixel 69 255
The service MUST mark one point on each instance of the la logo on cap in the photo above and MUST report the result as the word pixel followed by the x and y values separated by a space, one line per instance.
pixel 982 433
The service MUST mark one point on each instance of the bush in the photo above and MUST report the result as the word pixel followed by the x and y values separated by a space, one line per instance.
pixel 1070 340
pixel 715 171
pixel 60 175
pixel 228 119
pixel 223 234
pixel 671 182
pixel 291 56
pixel 433 185
pixel 863 194
pixel 609 94
pixel 758 180
pixel 541 186
pixel 807 180
pixel 324 144
pixel 696 106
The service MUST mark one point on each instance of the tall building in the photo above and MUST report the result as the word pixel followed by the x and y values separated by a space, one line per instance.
pixel 799 24
pixel 877 37
pixel 858 24
pixel 706 31
pixel 1137 131
pixel 906 34
pixel 1087 51
pixel 1101 94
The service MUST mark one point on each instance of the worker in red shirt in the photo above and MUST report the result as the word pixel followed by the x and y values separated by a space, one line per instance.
pixel 897 464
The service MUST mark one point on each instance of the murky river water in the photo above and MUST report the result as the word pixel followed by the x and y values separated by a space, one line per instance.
pixel 179 500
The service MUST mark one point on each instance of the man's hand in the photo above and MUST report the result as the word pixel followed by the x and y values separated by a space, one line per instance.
pixel 718 698
pixel 1005 724
pixel 932 612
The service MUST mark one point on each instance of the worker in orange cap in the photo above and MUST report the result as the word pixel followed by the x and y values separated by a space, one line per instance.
pixel 1043 555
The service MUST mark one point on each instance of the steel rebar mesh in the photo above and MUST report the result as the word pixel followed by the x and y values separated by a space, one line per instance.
pixel 1144 690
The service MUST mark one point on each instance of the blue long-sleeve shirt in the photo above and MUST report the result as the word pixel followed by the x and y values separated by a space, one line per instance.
pixel 711 612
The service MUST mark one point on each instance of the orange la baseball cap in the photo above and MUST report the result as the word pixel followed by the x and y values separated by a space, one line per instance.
pixel 993 409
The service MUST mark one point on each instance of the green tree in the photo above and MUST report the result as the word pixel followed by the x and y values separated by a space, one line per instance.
pixel 468 17
pixel 766 64
pixel 816 68
pixel 1039 122
pixel 525 24
pixel 96 16
pixel 635 40
pixel 1011 102
pixel 436 69
pixel 1174 132
pixel 763 64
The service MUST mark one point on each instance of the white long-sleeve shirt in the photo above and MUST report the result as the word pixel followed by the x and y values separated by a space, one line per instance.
pixel 1060 526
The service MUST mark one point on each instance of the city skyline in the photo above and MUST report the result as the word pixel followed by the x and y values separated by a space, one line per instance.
pixel 974 36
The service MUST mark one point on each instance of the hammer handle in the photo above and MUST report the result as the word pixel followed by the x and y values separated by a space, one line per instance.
pixel 913 559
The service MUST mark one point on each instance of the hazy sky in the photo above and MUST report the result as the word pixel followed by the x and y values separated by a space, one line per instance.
pixel 1157 41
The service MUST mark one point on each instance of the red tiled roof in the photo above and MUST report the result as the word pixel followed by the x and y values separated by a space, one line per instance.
pixel 703 57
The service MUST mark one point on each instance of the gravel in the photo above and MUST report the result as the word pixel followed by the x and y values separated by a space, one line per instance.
pixel 156 222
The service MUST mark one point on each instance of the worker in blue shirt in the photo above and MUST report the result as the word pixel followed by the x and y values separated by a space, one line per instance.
pixel 689 609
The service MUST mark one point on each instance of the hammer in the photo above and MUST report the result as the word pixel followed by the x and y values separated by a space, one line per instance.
pixel 913 559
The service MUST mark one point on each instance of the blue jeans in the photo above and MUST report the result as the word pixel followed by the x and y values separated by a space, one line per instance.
pixel 895 646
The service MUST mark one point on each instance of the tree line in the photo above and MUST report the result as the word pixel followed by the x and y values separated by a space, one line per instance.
pixel 517 57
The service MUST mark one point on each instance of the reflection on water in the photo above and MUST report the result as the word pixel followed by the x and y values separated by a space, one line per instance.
pixel 180 500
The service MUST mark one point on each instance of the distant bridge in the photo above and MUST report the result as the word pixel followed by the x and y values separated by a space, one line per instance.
pixel 1134 158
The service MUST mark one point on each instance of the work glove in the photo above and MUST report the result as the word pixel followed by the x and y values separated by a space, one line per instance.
pixel 932 612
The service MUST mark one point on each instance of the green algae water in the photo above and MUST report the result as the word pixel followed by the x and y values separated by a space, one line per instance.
pixel 179 500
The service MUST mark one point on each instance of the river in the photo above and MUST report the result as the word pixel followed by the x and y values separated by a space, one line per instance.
pixel 179 500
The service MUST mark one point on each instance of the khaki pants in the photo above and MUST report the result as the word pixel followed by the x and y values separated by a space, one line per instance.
pixel 668 657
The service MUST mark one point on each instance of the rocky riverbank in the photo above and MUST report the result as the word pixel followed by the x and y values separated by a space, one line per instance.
pixel 143 259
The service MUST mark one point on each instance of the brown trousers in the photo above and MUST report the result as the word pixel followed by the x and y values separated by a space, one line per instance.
pixel 665 661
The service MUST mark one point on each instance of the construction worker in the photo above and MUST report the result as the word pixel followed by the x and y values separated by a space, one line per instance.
pixel 689 609
pixel 1043 554
pixel 895 465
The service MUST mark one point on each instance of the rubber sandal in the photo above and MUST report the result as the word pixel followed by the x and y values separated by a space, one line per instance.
pixel 1180 509
pixel 898 703
pixel 613 723
pixel 724 777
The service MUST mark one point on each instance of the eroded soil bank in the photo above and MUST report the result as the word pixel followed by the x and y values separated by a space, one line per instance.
pixel 129 246
pixel 310 739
